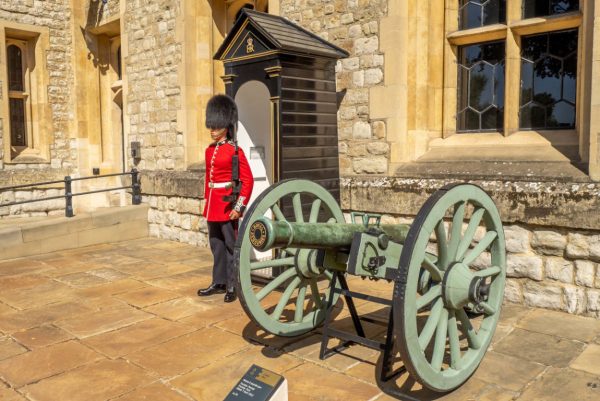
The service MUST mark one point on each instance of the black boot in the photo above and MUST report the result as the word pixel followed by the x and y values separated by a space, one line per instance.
pixel 230 295
pixel 212 289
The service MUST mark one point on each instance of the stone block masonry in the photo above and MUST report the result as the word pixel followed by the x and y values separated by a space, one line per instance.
pixel 175 201
pixel 55 207
pixel 177 219
pixel 154 95
pixel 56 16
pixel 554 265
pixel 354 26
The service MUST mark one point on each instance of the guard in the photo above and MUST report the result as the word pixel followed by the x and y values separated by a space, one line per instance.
pixel 227 189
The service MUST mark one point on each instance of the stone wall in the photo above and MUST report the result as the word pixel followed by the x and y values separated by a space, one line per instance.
pixel 100 12
pixel 153 93
pixel 354 26
pixel 177 219
pixel 554 268
pixel 551 230
pixel 56 15
pixel 175 200
pixel 55 207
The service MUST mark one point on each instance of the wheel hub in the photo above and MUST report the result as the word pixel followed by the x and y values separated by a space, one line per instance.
pixel 460 287
pixel 306 263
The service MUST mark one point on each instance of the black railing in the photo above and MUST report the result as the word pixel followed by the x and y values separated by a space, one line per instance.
pixel 135 187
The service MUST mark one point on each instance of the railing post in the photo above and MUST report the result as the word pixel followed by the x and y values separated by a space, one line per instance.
pixel 135 187
pixel 68 197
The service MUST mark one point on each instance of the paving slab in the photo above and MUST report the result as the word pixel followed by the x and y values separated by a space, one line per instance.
pixel 10 348
pixel 115 302
pixel 8 394
pixel 81 280
pixel 212 315
pixel 45 362
pixel 243 326
pixel 111 288
pixel 182 354
pixel 180 308
pixel 214 381
pixel 147 296
pixel 153 392
pixel 46 293
pixel 491 393
pixel 136 337
pixel 309 348
pixel 19 320
pixel 41 336
pixel 511 314
pixel 185 283
pixel 407 389
pixel 336 387
pixel 561 325
pixel 95 382
pixel 21 281
pixel 70 265
pixel 588 360
pixel 5 308
pixel 540 348
pixel 109 274
pixel 102 321
pixel 156 270
pixel 23 266
pixel 508 372
pixel 564 384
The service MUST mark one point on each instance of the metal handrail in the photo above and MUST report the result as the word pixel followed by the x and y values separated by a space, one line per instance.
pixel 136 192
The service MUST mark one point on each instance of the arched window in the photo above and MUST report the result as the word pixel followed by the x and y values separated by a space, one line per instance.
pixel 18 95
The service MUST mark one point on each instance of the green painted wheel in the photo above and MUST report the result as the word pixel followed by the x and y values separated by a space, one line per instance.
pixel 440 344
pixel 300 307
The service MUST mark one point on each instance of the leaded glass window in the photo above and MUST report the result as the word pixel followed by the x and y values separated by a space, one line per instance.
pixel 481 87
pixel 17 96
pixel 478 13
pixel 18 133
pixel 548 80
pixel 540 8
pixel 15 68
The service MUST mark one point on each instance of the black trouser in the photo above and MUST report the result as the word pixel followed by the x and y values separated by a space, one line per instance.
pixel 221 236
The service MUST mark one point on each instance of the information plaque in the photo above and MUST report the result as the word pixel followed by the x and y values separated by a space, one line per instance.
pixel 259 384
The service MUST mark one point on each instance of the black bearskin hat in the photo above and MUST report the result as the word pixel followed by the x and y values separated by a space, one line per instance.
pixel 221 112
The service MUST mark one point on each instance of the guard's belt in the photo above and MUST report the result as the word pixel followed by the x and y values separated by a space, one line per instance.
pixel 220 184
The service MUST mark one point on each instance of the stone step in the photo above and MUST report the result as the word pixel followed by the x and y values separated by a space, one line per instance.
pixel 25 237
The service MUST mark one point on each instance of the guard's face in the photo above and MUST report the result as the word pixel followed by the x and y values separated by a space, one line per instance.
pixel 218 134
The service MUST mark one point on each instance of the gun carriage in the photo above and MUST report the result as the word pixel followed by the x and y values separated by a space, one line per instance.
pixel 448 269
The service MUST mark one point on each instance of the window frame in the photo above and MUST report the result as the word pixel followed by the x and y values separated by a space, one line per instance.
pixel 23 95
pixel 38 112
pixel 511 32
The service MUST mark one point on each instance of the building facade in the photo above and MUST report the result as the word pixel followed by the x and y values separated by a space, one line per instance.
pixel 498 92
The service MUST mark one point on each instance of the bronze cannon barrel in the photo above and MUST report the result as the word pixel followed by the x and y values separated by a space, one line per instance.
pixel 266 234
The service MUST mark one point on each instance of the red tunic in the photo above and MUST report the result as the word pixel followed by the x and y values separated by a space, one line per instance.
pixel 218 170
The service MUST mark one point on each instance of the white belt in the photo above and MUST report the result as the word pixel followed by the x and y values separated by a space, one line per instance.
pixel 220 184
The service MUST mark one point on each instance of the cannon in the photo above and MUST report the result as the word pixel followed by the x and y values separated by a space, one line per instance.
pixel 448 268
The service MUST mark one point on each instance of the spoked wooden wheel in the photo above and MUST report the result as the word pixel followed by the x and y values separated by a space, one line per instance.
pixel 301 306
pixel 441 344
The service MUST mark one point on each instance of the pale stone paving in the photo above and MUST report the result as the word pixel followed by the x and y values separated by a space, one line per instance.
pixel 123 322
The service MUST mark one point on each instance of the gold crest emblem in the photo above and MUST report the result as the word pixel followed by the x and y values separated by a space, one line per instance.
pixel 250 45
